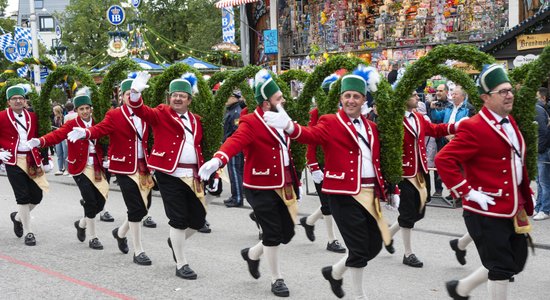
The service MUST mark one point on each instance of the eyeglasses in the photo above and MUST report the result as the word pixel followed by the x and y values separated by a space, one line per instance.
pixel 179 95
pixel 17 98
pixel 503 92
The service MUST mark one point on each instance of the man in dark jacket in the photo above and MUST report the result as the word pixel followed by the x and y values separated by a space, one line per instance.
pixel 543 162
pixel 236 163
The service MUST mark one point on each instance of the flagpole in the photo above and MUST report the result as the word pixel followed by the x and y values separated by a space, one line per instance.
pixel 35 52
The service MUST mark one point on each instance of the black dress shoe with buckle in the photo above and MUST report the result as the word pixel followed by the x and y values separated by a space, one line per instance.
pixel 253 265
pixel 279 289
pixel 335 246
pixel 122 242
pixel 80 232
pixel 95 244
pixel 309 229
pixel 142 259
pixel 451 289
pixel 186 272
pixel 30 240
pixel 173 254
pixel 148 222
pixel 17 225
pixel 205 228
pixel 460 254
pixel 390 247
pixel 106 217
pixel 412 261
pixel 335 285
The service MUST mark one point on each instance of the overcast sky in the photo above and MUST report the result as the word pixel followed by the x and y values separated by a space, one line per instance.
pixel 12 6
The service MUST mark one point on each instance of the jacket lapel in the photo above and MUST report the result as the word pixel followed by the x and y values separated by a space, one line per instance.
pixel 346 122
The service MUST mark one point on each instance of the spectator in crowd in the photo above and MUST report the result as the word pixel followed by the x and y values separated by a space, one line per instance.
pixel 236 163
pixel 60 149
pixel 542 208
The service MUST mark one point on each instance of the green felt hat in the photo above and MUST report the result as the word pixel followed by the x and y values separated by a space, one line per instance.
pixel 491 76
pixel 355 83
pixel 14 91
pixel 82 97
pixel 264 86
pixel 180 85
pixel 126 85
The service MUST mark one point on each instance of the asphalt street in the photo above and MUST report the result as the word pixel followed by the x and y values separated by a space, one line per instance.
pixel 61 267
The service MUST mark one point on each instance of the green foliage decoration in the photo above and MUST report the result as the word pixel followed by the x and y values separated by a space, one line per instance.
pixel 116 73
pixel 42 107
pixel 11 70
pixel 219 77
pixel 202 104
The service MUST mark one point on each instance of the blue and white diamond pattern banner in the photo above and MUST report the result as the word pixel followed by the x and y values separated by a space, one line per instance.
pixel 228 25
pixel 8 47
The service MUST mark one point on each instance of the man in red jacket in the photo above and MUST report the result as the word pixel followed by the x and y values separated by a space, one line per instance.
pixel 270 182
pixel 415 186
pixel 128 153
pixel 352 177
pixel 23 164
pixel 176 157
pixel 317 175
pixel 85 160
pixel 485 164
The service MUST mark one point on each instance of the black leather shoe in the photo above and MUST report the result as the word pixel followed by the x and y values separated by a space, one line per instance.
pixel 186 272
pixel 279 289
pixel 148 222
pixel 335 285
pixel 30 240
pixel 205 228
pixel 173 254
pixel 227 200
pixel 460 254
pixel 253 265
pixel 335 246
pixel 451 289
pixel 142 259
pixel 412 261
pixel 106 217
pixel 449 198
pixel 390 247
pixel 309 229
pixel 122 242
pixel 95 244
pixel 80 232
pixel 233 204
pixel 17 225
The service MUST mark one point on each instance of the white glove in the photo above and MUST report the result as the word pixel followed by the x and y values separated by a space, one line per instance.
pixel 317 176
pixel 106 164
pixel 5 155
pixel 480 198
pixel 215 183
pixel 279 120
pixel 76 134
pixel 209 168
pixel 458 122
pixel 395 200
pixel 48 168
pixel 138 85
pixel 33 143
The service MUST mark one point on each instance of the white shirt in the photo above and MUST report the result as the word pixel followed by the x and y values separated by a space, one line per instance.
pixel 410 118
pixel 137 123
pixel 188 153
pixel 452 118
pixel 512 136
pixel 23 136
pixel 286 159
pixel 367 168
pixel 91 146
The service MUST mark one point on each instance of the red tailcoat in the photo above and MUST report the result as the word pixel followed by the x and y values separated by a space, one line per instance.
pixel 338 139
pixel 78 151
pixel 263 152
pixel 9 137
pixel 415 148
pixel 124 139
pixel 169 135
pixel 311 153
pixel 480 157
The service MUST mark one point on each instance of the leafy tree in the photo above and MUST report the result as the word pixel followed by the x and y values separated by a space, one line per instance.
pixel 7 25
pixel 3 5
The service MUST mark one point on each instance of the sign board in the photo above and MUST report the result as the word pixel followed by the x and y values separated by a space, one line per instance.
pixel 228 25
pixel 23 47
pixel 226 47
pixel 521 60
pixel 136 3
pixel 11 54
pixel 270 41
pixel 115 15
pixel 532 41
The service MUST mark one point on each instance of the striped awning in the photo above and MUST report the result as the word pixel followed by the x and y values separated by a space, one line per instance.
pixel 228 3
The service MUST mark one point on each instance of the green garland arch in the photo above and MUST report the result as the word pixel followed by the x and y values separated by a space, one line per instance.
pixel 525 101
pixel 42 106
pixel 202 104
pixel 219 77
pixel 11 70
pixel 116 73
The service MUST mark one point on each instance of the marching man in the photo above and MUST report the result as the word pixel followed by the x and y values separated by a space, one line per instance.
pixel 85 160
pixel 128 153
pixel 23 164
pixel 352 181
pixel 485 164
pixel 176 157
pixel 414 188
pixel 270 181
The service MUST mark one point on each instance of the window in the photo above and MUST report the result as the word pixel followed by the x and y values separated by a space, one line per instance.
pixel 46 24
pixel 38 4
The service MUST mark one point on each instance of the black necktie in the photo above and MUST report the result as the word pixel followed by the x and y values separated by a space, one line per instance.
pixel 410 115
pixel 503 121
pixel 356 121
pixel 20 115
pixel 183 117
pixel 132 115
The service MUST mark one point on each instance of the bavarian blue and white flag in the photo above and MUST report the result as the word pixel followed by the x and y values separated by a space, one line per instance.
pixel 8 47
pixel 228 25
